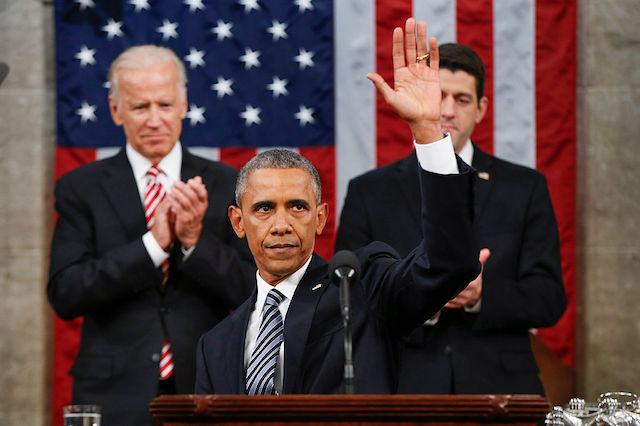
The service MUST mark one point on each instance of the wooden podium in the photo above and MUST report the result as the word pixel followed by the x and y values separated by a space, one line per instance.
pixel 406 410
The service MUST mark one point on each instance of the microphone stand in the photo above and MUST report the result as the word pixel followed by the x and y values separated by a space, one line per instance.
pixel 345 308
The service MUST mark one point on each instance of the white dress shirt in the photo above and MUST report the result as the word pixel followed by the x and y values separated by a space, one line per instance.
pixel 287 288
pixel 466 153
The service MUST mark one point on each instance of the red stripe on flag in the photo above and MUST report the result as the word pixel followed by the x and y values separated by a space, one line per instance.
pixel 323 158
pixel 66 334
pixel 556 146
pixel 475 29
pixel 392 133
pixel 237 157
pixel 68 159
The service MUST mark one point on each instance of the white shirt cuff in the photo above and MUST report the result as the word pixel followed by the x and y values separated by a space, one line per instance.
pixel 475 308
pixel 433 320
pixel 156 253
pixel 186 252
pixel 437 157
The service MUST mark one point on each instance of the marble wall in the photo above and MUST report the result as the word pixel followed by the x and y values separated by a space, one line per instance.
pixel 608 246
pixel 27 141
pixel 608 222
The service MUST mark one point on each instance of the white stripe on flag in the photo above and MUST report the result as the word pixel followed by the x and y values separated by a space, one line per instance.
pixel 106 152
pixel 267 148
pixel 355 101
pixel 514 81
pixel 440 16
pixel 210 153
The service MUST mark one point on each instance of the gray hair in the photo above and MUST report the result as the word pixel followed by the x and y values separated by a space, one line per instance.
pixel 277 159
pixel 145 56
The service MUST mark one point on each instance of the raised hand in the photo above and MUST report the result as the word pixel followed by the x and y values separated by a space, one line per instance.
pixel 189 203
pixel 416 95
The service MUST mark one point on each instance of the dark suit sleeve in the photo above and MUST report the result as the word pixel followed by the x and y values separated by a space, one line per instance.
pixel 354 230
pixel 536 297
pixel 81 279
pixel 408 291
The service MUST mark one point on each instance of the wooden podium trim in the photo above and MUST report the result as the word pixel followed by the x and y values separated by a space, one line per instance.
pixel 369 409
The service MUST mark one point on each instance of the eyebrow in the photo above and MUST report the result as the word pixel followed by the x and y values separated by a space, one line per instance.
pixel 266 203
pixel 462 95
pixel 260 204
pixel 298 201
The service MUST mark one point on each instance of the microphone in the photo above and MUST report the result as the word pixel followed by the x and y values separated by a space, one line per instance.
pixel 345 270
pixel 344 264
pixel 4 70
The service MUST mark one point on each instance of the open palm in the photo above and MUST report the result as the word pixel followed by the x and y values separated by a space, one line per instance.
pixel 416 95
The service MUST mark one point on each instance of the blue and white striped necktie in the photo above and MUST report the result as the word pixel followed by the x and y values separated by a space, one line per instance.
pixel 262 365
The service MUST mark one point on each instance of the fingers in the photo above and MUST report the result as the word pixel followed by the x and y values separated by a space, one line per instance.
pixel 189 198
pixel 483 256
pixel 422 39
pixel 189 201
pixel 398 48
pixel 412 43
pixel 434 54
pixel 410 39
pixel 199 188
pixel 385 90
pixel 161 229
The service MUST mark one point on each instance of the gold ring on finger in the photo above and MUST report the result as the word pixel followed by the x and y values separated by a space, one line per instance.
pixel 423 57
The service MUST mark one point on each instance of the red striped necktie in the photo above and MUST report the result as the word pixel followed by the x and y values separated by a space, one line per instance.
pixel 153 195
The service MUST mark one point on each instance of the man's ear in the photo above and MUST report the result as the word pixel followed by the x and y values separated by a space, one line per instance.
pixel 483 104
pixel 235 217
pixel 184 105
pixel 323 213
pixel 115 111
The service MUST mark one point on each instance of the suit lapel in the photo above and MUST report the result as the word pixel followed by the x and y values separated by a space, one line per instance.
pixel 408 181
pixel 235 348
pixel 299 318
pixel 190 167
pixel 121 190
pixel 193 166
pixel 483 163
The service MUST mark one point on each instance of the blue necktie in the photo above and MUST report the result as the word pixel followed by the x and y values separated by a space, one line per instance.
pixel 262 366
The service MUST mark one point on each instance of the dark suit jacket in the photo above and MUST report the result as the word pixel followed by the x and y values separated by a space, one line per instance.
pixel 100 270
pixel 522 288
pixel 393 297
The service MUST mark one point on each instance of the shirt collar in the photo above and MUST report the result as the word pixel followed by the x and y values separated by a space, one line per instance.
pixel 466 153
pixel 170 164
pixel 286 287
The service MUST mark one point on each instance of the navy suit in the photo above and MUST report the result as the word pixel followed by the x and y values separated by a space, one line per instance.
pixel 100 270
pixel 489 351
pixel 392 298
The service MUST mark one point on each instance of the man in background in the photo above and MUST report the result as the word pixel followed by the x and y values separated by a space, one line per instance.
pixel 143 249
pixel 479 342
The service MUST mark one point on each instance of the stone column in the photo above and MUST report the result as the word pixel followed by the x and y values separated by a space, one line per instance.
pixel 27 141
pixel 608 222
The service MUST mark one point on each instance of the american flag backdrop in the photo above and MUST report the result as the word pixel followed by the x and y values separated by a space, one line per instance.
pixel 290 73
